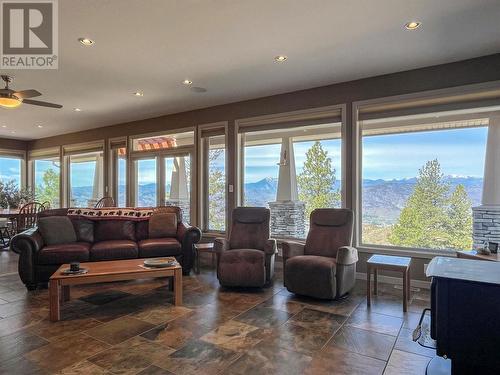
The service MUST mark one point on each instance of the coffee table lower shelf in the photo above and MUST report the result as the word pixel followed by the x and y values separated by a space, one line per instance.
pixel 108 271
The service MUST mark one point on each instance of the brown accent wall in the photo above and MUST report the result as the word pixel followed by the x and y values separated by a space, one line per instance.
pixel 13 144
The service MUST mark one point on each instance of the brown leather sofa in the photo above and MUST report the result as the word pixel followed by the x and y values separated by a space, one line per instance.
pixel 246 258
pixel 325 266
pixel 99 239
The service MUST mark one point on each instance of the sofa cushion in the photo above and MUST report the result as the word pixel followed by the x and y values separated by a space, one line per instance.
pixel 56 230
pixel 312 276
pixel 84 229
pixel 142 230
pixel 159 247
pixel 109 230
pixel 242 267
pixel 114 249
pixel 64 253
pixel 163 225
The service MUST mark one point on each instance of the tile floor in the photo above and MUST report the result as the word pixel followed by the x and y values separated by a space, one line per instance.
pixel 132 328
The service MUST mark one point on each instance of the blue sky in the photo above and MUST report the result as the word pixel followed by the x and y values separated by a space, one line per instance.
pixel 460 152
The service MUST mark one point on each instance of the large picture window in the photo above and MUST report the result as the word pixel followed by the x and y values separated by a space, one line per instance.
pixel 292 170
pixel 420 179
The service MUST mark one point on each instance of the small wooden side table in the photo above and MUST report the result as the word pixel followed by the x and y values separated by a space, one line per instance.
pixel 389 263
pixel 207 247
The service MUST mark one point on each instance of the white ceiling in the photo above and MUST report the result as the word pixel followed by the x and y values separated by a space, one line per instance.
pixel 227 47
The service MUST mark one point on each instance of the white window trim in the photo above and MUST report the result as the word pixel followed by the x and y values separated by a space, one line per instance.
pixel 357 167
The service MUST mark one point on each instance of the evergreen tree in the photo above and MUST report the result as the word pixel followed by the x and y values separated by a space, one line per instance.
pixel 460 219
pixel 431 217
pixel 48 191
pixel 316 181
pixel 422 220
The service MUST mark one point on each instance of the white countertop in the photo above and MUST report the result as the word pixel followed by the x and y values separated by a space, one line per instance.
pixel 464 269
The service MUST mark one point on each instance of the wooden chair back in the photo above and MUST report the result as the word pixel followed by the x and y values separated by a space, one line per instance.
pixel 28 216
pixel 105 202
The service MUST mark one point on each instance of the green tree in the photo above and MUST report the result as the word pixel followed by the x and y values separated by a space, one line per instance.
pixel 317 179
pixel 432 218
pixel 216 189
pixel 48 191
pixel 460 219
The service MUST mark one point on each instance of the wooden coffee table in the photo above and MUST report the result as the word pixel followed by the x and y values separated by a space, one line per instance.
pixel 107 271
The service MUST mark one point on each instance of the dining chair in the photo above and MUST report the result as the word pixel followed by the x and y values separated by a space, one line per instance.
pixel 28 216
pixel 105 202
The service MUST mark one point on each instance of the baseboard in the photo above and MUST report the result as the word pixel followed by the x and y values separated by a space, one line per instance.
pixel 396 280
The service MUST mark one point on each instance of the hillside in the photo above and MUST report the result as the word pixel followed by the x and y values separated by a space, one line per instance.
pixel 382 199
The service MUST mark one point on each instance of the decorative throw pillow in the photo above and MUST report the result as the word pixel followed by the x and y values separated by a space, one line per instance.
pixel 56 230
pixel 163 225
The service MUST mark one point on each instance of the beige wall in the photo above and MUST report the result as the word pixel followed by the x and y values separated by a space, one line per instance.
pixel 478 70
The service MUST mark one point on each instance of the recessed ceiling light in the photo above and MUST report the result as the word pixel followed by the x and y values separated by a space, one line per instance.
pixel 280 58
pixel 13 132
pixel 77 109
pixel 412 25
pixel 4 126
pixel 40 126
pixel 187 82
pixel 86 41
pixel 138 93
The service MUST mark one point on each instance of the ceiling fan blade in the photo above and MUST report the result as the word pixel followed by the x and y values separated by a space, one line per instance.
pixel 41 104
pixel 6 91
pixel 25 94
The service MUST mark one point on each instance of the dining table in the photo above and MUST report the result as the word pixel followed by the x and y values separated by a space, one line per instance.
pixel 6 230
pixel 9 213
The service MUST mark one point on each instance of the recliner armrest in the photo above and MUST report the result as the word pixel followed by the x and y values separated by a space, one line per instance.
pixel 292 249
pixel 347 255
pixel 221 244
pixel 270 247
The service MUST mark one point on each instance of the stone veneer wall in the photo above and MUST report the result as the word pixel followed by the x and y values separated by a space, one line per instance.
pixel 486 224
pixel 184 206
pixel 288 219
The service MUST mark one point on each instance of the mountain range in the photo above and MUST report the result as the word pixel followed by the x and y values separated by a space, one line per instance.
pixel 382 199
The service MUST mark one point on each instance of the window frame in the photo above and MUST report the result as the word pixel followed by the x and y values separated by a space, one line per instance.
pixel 45 154
pixel 76 149
pixel 291 119
pixel 114 144
pixel 203 173
pixel 442 100
pixel 22 156
pixel 160 155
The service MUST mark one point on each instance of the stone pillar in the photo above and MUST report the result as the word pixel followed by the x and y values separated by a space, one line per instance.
pixel 487 216
pixel 287 213
pixel 179 194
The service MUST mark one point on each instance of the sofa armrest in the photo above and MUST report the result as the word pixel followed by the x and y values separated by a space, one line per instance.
pixel 270 247
pixel 347 255
pixel 292 249
pixel 27 244
pixel 188 236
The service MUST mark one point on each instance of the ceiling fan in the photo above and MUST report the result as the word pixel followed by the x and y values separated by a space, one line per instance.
pixel 12 99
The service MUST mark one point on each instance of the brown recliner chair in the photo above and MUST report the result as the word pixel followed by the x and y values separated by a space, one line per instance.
pixel 325 266
pixel 246 258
